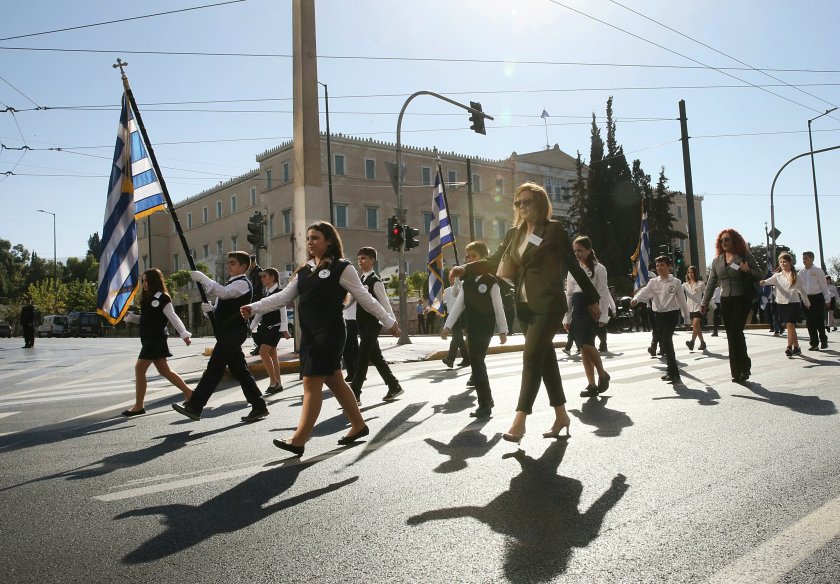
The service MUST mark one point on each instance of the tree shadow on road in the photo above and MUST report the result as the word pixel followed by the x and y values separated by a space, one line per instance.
pixel 608 423
pixel 804 404
pixel 238 508
pixel 466 444
pixel 539 515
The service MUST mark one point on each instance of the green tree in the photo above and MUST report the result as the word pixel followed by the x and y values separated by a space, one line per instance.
pixel 660 215
pixel 86 269
pixel 81 296
pixel 94 246
pixel 177 283
pixel 49 296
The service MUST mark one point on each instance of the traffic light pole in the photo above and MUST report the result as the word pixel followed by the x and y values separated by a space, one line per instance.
pixel 403 320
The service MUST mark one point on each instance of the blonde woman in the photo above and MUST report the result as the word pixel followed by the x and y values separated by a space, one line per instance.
pixel 694 289
pixel 790 290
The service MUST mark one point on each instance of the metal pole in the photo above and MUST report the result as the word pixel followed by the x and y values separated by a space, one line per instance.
pixel 814 177
pixel 470 201
pixel 55 256
pixel 689 188
pixel 329 154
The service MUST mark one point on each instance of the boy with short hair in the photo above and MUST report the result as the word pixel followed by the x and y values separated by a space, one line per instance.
pixel 231 330
pixel 481 301
pixel 667 300
pixel 369 328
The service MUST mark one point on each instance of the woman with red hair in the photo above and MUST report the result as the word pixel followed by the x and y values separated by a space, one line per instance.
pixel 734 269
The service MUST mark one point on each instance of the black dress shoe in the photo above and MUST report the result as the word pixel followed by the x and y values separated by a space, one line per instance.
pixel 187 411
pixel 652 351
pixel 604 383
pixel 824 345
pixel 272 389
pixel 448 362
pixel 288 447
pixel 393 393
pixel 129 413
pixel 351 438
pixel 482 413
pixel 464 363
pixel 256 414
pixel 590 391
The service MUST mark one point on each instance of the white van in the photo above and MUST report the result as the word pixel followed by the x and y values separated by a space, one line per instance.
pixel 54 325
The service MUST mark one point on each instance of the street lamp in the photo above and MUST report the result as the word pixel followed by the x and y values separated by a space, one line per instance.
pixel 814 177
pixel 55 258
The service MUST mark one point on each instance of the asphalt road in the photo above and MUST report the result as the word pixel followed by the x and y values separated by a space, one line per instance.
pixel 706 482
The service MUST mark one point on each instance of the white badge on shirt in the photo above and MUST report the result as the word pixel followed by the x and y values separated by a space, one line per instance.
pixel 155 303
pixel 535 239
pixel 324 274
pixel 735 265
pixel 482 288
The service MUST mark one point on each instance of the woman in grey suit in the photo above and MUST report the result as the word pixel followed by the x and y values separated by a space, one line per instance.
pixel 736 272
pixel 535 257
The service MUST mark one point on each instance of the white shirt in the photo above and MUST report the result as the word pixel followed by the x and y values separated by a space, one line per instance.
pixel 223 292
pixel 665 295
pixel 349 280
pixel 600 283
pixel 349 312
pixel 787 293
pixel 284 318
pixel 716 296
pixel 451 293
pixel 694 295
pixel 832 290
pixel 380 294
pixel 498 308
pixel 814 280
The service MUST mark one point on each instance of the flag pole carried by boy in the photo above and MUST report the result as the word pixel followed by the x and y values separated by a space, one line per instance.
pixel 440 236
pixel 641 257
pixel 136 189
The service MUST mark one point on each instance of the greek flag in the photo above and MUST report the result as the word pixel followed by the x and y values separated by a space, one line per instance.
pixel 440 236
pixel 767 290
pixel 641 257
pixel 148 194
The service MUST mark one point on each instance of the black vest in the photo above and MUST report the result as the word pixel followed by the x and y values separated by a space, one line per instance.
pixel 227 313
pixel 152 319
pixel 271 319
pixel 478 304
pixel 363 317
pixel 321 297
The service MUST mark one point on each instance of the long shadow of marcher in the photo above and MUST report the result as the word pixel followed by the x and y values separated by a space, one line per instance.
pixel 804 404
pixel 608 423
pixel 468 443
pixel 396 427
pixel 55 433
pixel 539 515
pixel 235 509
pixel 455 404
pixel 705 397
pixel 435 376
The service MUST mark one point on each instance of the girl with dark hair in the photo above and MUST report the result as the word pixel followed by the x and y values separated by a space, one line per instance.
pixel 789 290
pixel 155 310
pixel 694 288
pixel 580 323
pixel 736 272
pixel 321 284
pixel 269 328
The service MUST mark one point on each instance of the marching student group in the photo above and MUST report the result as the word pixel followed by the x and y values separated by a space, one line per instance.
pixel 550 282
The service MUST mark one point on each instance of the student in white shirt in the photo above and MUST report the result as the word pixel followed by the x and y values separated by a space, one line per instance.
pixel 667 300
pixel 694 290
pixel 830 324
pixel 817 291
pixel 269 328
pixel 789 289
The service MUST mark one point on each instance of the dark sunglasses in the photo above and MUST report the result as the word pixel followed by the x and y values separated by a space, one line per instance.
pixel 724 239
pixel 522 203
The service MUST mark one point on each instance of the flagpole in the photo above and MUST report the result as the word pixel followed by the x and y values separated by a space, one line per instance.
pixel 120 64
pixel 446 202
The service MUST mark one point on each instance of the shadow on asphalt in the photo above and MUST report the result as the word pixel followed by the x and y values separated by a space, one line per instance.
pixel 466 444
pixel 455 404
pixel 238 508
pixel 704 397
pixel 608 423
pixel 396 427
pixel 803 404
pixel 539 515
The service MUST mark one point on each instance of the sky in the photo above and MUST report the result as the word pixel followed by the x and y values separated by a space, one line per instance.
pixel 209 115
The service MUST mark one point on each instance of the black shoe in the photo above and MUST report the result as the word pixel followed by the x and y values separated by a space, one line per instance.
pixel 602 349
pixel 652 351
pixel 789 351
pixel 813 348
pixel 741 378
pixel 288 447
pixel 129 413
pixel 567 350
pixel 351 438
pixel 796 351
pixel 702 347
pixel 470 382
pixel 187 411
pixel 449 362
pixel 604 383
pixel 272 389
pixel 590 391
pixel 690 345
pixel 393 393
pixel 464 363
pixel 255 351
pixel 824 345
pixel 257 413
pixel 348 379
pixel 714 334
pixel 671 378
pixel 482 413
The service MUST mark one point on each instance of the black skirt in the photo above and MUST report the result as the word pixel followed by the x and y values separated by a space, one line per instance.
pixel 154 348
pixel 269 336
pixel 789 312
pixel 320 352
pixel 584 326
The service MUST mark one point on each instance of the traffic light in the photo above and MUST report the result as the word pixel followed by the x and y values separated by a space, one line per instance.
pixel 411 237
pixel 395 234
pixel 256 230
pixel 477 118
pixel 678 257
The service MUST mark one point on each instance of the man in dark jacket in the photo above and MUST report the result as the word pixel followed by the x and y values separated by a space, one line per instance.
pixel 27 321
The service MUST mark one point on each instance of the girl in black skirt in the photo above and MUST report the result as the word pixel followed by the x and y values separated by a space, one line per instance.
pixel 270 327
pixel 322 284
pixel 155 310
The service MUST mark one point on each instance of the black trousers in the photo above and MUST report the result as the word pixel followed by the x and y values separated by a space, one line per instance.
pixel 351 347
pixel 539 361
pixel 29 335
pixel 666 322
pixel 421 324
pixel 654 329
pixel 815 319
pixel 601 333
pixel 717 318
pixel 370 353
pixel 478 341
pixel 457 343
pixel 227 353
pixel 734 310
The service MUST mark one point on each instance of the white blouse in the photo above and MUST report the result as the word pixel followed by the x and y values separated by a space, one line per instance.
pixel 600 283
pixel 694 295
pixel 787 293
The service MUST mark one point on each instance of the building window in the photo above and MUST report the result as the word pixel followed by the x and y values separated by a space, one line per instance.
pixel 370 168
pixel 145 263
pixel 267 180
pixel 175 262
pixel 340 215
pixel 233 243
pixel 501 231
pixel 679 211
pixel 287 175
pixel 271 226
pixel 455 223
pixel 146 228
pixel 476 183
pixel 253 196
pixel 426 174
pixel 549 187
pixel 206 249
pixel 500 185
pixel 453 178
pixel 372 217
pixel 218 209
pixel 427 221
pixel 189 220
pixel 233 204
pixel 219 247
pixel 478 226
pixel 338 167
pixel 204 215
pixel 287 221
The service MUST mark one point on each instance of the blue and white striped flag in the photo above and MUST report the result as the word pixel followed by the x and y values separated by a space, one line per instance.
pixel 440 236
pixel 767 290
pixel 148 194
pixel 641 269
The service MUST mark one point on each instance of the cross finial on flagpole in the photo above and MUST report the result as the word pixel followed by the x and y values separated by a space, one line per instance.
pixel 120 63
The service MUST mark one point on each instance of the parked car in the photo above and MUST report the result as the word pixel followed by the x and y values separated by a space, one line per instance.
pixel 54 325
pixel 5 330
pixel 84 324
pixel 290 314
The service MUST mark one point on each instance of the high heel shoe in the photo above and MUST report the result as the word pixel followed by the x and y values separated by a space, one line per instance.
pixel 288 446
pixel 351 438
pixel 511 437
pixel 556 429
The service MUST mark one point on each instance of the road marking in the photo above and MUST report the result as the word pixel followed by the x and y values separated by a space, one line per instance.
pixel 770 561
pixel 7 414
